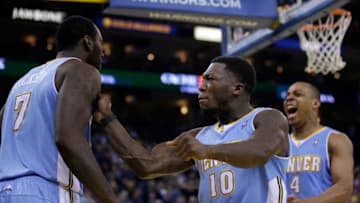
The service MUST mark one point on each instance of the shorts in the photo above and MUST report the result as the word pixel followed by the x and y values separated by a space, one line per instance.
pixel 34 189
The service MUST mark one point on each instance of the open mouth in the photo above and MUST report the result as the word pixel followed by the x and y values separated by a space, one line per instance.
pixel 291 112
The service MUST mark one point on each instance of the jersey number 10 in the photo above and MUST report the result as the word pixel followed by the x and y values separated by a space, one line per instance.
pixel 225 182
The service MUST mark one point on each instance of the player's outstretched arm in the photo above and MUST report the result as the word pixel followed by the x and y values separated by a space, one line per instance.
pixel 79 85
pixel 146 164
pixel 1 118
pixel 340 150
pixel 270 138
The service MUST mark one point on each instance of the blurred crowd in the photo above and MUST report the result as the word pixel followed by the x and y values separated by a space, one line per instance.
pixel 179 188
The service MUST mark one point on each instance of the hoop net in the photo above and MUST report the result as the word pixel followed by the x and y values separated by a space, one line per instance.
pixel 322 42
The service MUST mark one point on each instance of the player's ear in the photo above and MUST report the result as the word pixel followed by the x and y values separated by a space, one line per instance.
pixel 238 88
pixel 88 43
pixel 316 103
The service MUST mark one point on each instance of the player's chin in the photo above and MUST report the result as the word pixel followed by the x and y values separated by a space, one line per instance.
pixel 203 106
pixel 292 121
pixel 98 63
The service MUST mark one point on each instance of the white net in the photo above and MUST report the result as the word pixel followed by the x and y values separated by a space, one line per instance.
pixel 322 42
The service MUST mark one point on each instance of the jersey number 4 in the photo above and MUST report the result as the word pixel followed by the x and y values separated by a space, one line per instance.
pixel 295 184
pixel 225 182
pixel 21 105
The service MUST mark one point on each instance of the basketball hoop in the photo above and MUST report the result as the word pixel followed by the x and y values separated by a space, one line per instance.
pixel 322 42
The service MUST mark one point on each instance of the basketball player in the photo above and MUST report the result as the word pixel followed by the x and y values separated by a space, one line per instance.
pixel 45 150
pixel 240 159
pixel 321 165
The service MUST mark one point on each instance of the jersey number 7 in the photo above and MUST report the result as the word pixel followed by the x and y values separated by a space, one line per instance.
pixel 21 105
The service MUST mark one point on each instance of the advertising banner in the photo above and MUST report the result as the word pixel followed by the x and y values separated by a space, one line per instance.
pixel 243 13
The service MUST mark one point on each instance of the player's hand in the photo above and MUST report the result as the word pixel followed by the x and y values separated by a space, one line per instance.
pixel 187 147
pixel 293 199
pixel 103 107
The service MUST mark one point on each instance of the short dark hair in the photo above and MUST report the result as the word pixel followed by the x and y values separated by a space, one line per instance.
pixel 314 90
pixel 242 70
pixel 70 32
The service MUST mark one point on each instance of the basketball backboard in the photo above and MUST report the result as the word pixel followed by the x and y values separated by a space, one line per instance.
pixel 247 25
pixel 244 42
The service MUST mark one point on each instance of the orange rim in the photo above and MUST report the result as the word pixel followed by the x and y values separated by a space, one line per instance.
pixel 336 12
pixel 340 11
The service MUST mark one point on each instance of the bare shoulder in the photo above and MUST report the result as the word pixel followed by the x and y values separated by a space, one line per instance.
pixel 77 67
pixel 79 72
pixel 270 116
pixel 339 141
pixel 271 125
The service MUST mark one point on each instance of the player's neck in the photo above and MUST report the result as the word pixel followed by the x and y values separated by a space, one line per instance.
pixel 305 130
pixel 69 53
pixel 233 115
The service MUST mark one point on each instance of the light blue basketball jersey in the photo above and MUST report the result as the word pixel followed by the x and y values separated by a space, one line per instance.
pixel 221 182
pixel 308 171
pixel 28 130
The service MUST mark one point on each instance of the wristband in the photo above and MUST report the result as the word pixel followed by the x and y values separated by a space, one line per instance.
pixel 105 121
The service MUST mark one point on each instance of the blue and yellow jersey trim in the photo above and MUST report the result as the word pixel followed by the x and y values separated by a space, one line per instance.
pixel 220 128
pixel 69 188
pixel 281 190
pixel 307 137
